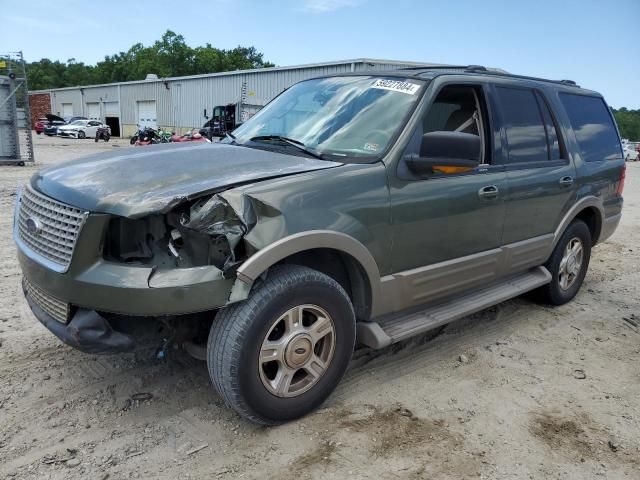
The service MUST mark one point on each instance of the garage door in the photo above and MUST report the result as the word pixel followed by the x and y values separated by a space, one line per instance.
pixel 67 110
pixel 147 113
pixel 93 111
pixel 111 109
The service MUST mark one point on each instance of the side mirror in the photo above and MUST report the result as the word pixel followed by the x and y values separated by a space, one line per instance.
pixel 446 149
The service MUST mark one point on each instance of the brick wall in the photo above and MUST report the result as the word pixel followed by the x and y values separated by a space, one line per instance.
pixel 40 104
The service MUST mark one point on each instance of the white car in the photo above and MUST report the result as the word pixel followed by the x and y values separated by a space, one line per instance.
pixel 631 151
pixel 80 129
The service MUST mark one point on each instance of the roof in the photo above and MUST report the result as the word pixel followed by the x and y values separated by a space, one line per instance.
pixel 370 61
pixel 434 71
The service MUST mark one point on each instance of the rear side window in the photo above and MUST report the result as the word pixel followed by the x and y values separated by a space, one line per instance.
pixel 524 125
pixel 592 123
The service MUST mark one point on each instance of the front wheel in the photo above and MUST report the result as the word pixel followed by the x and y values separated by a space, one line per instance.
pixel 82 135
pixel 279 354
pixel 568 264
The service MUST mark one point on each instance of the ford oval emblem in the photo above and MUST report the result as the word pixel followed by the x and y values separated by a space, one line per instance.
pixel 34 227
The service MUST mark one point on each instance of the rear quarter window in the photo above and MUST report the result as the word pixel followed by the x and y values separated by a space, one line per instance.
pixel 594 128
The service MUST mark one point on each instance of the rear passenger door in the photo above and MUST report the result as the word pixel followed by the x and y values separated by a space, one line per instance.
pixel 541 180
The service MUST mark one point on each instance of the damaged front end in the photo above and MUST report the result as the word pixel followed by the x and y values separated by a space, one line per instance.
pixel 204 232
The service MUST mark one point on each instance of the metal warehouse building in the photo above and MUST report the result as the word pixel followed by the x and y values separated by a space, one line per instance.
pixel 179 103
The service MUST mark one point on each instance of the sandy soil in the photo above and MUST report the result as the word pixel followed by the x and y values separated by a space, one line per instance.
pixel 515 407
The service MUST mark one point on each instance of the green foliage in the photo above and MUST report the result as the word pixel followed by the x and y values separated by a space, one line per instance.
pixel 628 123
pixel 168 57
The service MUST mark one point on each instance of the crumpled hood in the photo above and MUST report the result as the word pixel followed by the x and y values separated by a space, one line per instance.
pixel 134 182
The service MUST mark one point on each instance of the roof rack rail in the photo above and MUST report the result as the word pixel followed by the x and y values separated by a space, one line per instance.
pixel 476 68
pixel 437 67
pixel 484 70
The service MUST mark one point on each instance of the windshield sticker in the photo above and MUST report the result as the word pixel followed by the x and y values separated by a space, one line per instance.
pixel 396 86
pixel 372 147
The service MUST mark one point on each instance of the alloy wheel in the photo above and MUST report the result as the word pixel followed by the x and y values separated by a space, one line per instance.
pixel 297 350
pixel 571 263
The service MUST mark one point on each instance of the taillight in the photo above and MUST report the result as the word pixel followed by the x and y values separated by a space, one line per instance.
pixel 621 182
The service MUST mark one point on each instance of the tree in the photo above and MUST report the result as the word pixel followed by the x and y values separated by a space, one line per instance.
pixel 168 57
pixel 628 123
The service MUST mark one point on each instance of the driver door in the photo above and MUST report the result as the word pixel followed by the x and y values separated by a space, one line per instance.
pixel 447 226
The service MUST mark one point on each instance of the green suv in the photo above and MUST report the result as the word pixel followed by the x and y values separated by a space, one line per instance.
pixel 353 209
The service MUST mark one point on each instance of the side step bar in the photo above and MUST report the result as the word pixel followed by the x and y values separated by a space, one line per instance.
pixel 395 329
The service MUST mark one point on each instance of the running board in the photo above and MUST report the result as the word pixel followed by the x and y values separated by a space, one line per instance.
pixel 395 329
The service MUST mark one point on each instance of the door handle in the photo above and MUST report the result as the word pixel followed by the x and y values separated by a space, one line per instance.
pixel 566 181
pixel 488 192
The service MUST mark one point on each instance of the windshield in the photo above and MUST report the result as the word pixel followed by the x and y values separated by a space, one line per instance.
pixel 346 116
pixel 79 122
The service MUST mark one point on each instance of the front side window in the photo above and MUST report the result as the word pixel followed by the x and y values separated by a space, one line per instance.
pixel 592 123
pixel 452 137
pixel 351 116
pixel 523 124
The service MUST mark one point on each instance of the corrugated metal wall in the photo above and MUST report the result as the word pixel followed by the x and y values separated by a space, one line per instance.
pixel 101 94
pixel 180 102
pixel 58 97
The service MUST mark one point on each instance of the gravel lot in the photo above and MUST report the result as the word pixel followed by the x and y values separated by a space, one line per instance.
pixel 498 395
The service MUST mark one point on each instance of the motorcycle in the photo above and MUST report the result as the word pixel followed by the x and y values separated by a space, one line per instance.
pixel 103 133
pixel 190 136
pixel 164 136
pixel 149 135
pixel 146 136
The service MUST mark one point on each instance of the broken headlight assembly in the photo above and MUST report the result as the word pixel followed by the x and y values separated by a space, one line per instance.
pixel 206 231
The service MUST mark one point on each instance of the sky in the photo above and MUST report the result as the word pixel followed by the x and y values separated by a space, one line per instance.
pixel 594 42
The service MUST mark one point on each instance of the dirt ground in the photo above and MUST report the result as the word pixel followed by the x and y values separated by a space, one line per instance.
pixel 517 391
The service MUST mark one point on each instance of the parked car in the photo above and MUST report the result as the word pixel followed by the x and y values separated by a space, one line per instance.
pixel 81 129
pixel 40 125
pixel 631 151
pixel 360 208
pixel 55 122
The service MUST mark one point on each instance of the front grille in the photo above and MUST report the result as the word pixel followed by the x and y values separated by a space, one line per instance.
pixel 55 308
pixel 48 227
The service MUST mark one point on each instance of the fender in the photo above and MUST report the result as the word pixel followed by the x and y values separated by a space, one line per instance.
pixel 585 202
pixel 258 263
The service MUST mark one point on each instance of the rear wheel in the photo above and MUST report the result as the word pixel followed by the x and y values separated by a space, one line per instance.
pixel 568 264
pixel 280 354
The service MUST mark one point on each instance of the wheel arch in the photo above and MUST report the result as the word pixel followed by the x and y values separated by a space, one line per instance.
pixel 589 210
pixel 357 272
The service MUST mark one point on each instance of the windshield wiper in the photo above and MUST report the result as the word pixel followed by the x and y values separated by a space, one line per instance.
pixel 289 141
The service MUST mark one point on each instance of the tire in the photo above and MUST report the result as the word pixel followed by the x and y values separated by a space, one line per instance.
pixel 82 135
pixel 240 374
pixel 554 293
pixel 133 139
pixel 107 137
